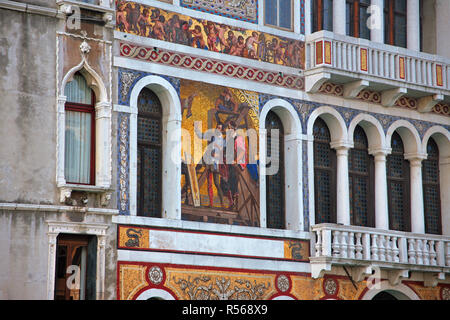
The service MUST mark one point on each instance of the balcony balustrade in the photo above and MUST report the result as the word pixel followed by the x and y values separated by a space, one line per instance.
pixel 363 248
pixel 362 64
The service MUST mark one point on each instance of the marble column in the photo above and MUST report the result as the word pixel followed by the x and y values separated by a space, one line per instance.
pixel 381 197
pixel 413 25
pixel 417 210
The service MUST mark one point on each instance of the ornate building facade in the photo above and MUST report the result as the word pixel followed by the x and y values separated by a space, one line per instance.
pixel 225 150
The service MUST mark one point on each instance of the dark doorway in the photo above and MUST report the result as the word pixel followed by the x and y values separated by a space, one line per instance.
pixel 383 295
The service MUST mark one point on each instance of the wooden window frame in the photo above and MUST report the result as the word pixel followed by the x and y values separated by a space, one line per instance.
pixel 406 181
pixel 71 241
pixel 141 145
pixel 281 171
pixel 317 10
pixel 355 17
pixel 86 108
pixel 370 178
pixel 390 12
pixel 278 17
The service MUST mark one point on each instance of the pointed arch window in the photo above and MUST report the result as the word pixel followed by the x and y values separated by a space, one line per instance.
pixel 361 181
pixel 149 154
pixel 79 166
pixel 275 197
pixel 398 181
pixel 431 189
pixel 324 174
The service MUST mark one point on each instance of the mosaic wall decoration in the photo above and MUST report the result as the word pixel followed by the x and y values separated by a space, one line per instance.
pixel 221 191
pixel 168 26
pixel 175 59
pixel 212 283
pixel 123 158
pixel 243 10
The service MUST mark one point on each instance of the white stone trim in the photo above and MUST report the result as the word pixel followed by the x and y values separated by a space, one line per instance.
pixel 155 293
pixel 103 107
pixel 206 77
pixel 57 227
pixel 55 208
pixel 293 163
pixel 409 134
pixel 171 163
pixel 405 291
pixel 210 260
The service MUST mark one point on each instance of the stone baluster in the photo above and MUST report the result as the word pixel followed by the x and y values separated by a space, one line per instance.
pixel 318 245
pixel 402 250
pixel 395 250
pixel 351 245
pixel 358 246
pixel 419 253
pixel 388 249
pixel 411 251
pixel 381 248
pixel 447 254
pixel 336 243
pixel 432 253
pixel 374 247
pixel 426 252
pixel 343 244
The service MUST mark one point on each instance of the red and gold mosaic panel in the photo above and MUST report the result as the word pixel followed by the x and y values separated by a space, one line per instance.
pixel 185 282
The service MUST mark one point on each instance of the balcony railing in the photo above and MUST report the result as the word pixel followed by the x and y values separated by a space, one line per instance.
pixel 393 250
pixel 346 59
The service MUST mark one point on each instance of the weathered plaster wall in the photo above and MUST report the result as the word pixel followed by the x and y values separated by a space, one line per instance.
pixel 27 107
pixel 24 249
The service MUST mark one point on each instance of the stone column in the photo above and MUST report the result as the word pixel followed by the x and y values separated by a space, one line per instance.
pixel 377 21
pixel 342 185
pixel 381 197
pixel 417 211
pixel 413 25
pixel 339 16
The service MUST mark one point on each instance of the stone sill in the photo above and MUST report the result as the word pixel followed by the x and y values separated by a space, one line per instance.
pixel 55 208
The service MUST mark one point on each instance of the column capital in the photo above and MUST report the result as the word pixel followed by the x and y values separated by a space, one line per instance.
pixel 341 145
pixel 415 158
pixel 380 152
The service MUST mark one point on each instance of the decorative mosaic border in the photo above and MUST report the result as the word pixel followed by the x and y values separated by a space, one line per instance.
pixel 246 10
pixel 208 35
pixel 129 77
pixel 188 282
pixel 175 59
pixel 375 97
pixel 123 160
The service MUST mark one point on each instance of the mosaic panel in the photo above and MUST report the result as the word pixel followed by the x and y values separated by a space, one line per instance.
pixel 168 26
pixel 243 10
pixel 212 283
pixel 123 160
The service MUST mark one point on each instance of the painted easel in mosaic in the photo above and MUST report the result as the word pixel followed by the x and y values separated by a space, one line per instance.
pixel 227 192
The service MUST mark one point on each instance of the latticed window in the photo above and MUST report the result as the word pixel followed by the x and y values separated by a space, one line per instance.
pixel 275 199
pixel 149 154
pixel 79 166
pixel 398 181
pixel 431 189
pixel 361 181
pixel 324 174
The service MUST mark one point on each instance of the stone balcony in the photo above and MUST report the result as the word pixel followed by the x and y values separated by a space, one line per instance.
pixel 361 249
pixel 360 64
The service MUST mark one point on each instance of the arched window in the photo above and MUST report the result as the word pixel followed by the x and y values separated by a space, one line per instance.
pixel 149 154
pixel 275 198
pixel 431 189
pixel 324 174
pixel 398 181
pixel 361 181
pixel 79 166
